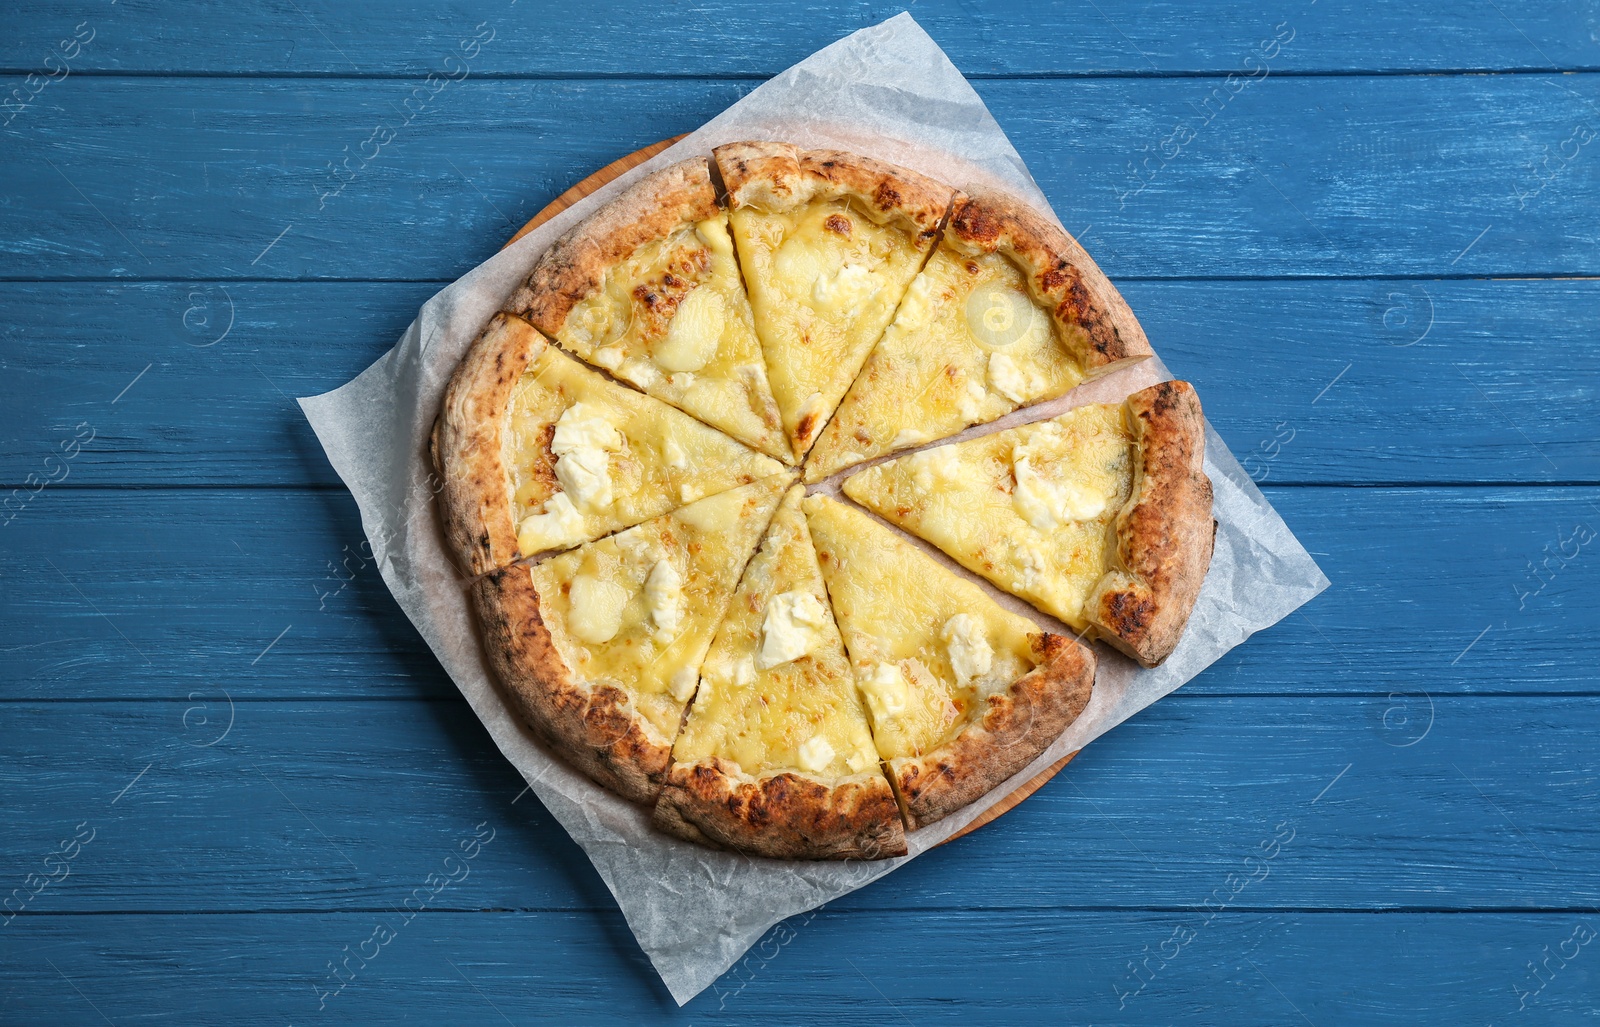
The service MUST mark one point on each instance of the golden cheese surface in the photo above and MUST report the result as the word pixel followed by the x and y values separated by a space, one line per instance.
pixel 638 609
pixel 967 345
pixel 776 692
pixel 926 644
pixel 824 281
pixel 588 457
pixel 1030 508
pixel 673 320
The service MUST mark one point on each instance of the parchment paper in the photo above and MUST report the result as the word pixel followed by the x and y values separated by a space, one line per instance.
pixel 890 92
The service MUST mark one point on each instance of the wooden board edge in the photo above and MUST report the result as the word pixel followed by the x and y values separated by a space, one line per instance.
pixel 588 185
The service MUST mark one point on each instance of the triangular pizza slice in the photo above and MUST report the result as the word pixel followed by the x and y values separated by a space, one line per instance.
pixel 776 758
pixel 828 242
pixel 1101 517
pixel 963 693
pixel 648 288
pixel 600 647
pixel 1009 311
pixel 537 452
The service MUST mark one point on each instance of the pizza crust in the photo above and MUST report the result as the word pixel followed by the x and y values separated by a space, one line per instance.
pixel 1163 535
pixel 468 445
pixel 788 815
pixel 591 726
pixel 1020 723
pixel 576 265
pixel 1062 277
pixel 781 176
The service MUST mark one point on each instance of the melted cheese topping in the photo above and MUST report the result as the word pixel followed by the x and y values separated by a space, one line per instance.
pixel 638 609
pixel 799 714
pixel 824 282
pixel 588 457
pixel 928 646
pixel 1029 508
pixel 673 320
pixel 968 345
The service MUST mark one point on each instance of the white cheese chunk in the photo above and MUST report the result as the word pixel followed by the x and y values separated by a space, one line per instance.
pixel 1006 378
pixel 594 610
pixel 744 673
pixel 1047 504
pixel 583 443
pixel 970 403
pixel 683 681
pixel 886 689
pixel 815 754
pixel 676 459
pixel 663 592
pixel 845 290
pixel 559 525
pixel 915 305
pixel 908 437
pixel 971 656
pixel 695 332
pixel 934 465
pixel 608 357
pixel 789 630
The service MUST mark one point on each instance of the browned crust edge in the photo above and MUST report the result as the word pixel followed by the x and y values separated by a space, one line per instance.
pixel 1019 724
pixel 1061 274
pixel 779 176
pixel 468 449
pixel 1162 538
pixel 592 727
pixel 576 265
pixel 781 816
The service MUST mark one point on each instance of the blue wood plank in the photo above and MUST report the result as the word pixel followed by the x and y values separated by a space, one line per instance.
pixel 154 593
pixel 1394 804
pixel 1309 381
pixel 946 966
pixel 732 38
pixel 1343 176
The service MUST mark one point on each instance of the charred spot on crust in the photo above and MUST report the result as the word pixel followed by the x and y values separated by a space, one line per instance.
pixel 1128 614
pixel 837 224
pixel 1163 400
pixel 976 224
pixel 886 196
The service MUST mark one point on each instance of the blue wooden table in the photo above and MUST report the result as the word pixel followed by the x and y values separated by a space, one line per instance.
pixel 1366 231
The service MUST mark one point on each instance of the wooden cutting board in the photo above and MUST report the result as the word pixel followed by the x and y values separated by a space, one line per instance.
pixel 607 174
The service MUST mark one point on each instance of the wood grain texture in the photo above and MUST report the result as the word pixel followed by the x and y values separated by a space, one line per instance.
pixel 153 593
pixel 590 183
pixel 1127 37
pixel 1365 176
pixel 1367 382
pixel 348 805
pixel 1244 968
pixel 1335 259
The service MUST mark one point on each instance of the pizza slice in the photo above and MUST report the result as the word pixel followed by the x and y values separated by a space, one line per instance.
pixel 648 288
pixel 1101 517
pixel 536 452
pixel 963 693
pixel 1009 311
pixel 600 647
pixel 776 758
pixel 828 243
